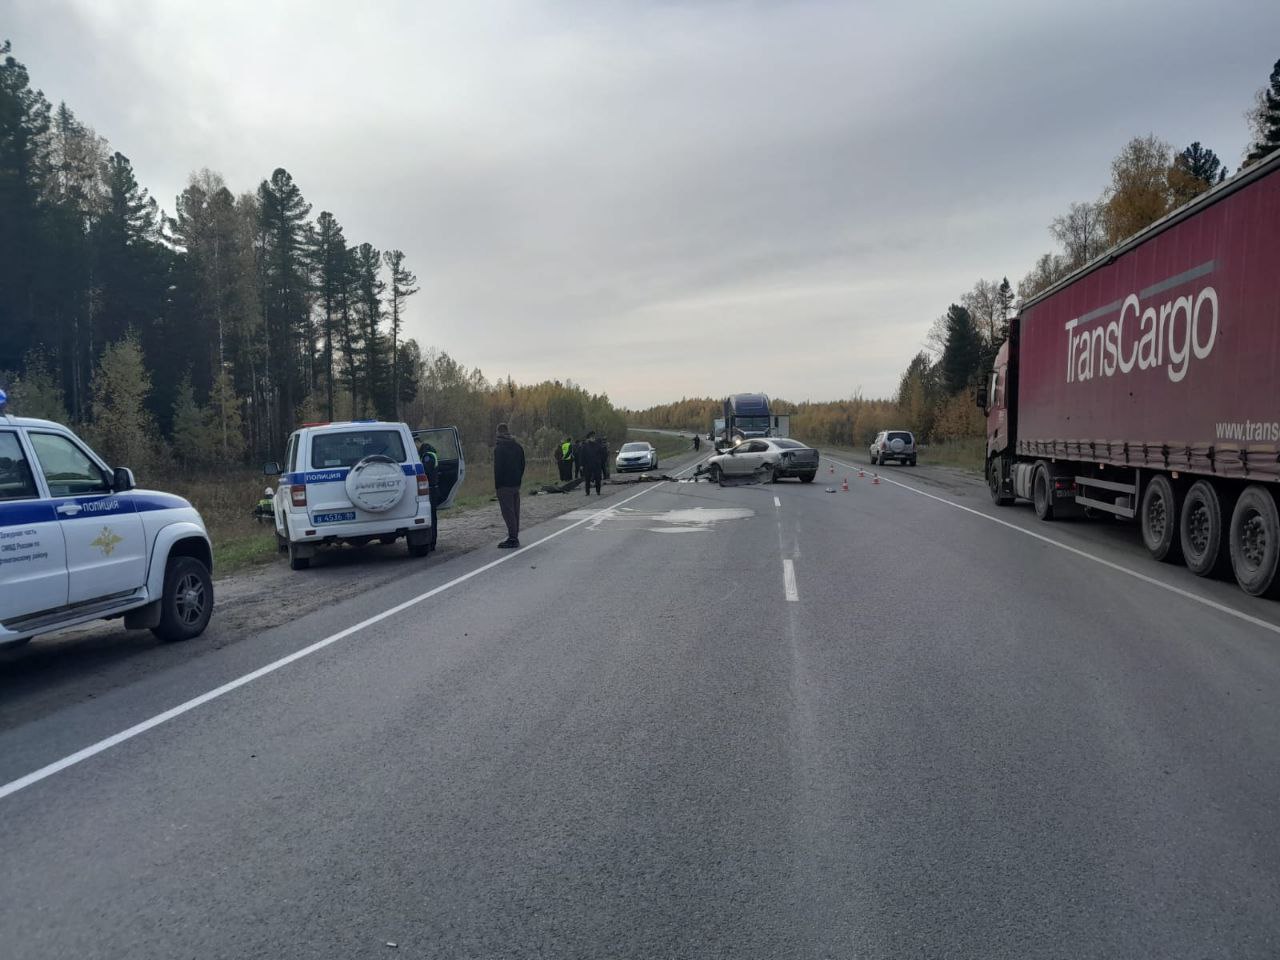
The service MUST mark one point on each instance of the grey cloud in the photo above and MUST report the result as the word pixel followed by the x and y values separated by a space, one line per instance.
pixel 652 198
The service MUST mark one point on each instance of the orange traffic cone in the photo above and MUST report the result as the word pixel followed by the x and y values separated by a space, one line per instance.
pixel 845 486
pixel 875 478
pixel 861 474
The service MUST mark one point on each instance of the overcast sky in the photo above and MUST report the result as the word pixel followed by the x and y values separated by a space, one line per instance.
pixel 658 199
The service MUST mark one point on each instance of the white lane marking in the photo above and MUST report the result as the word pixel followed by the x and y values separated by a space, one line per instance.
pixel 1212 604
pixel 789 579
pixel 116 739
pixel 777 502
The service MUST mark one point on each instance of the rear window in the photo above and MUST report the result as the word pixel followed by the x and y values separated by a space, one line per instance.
pixel 787 444
pixel 349 448
pixel 899 435
pixel 634 447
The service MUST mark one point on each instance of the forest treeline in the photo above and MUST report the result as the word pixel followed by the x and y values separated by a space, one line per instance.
pixel 207 334
pixel 1149 179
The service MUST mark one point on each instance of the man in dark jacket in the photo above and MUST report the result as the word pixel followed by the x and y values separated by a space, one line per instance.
pixel 431 467
pixel 589 457
pixel 508 474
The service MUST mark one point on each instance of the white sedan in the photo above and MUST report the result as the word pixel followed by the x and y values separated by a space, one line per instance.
pixel 770 458
pixel 636 455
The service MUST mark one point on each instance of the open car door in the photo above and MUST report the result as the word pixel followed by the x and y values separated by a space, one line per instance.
pixel 452 467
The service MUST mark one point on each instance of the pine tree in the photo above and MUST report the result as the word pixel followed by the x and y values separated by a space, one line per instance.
pixel 329 256
pixel 24 124
pixel 962 356
pixel 370 287
pixel 190 427
pixel 1268 120
pixel 226 422
pixel 122 429
pixel 1194 170
pixel 284 278
pixel 1004 305
pixel 402 288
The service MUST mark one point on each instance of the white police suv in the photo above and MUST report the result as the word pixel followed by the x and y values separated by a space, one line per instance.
pixel 78 542
pixel 352 483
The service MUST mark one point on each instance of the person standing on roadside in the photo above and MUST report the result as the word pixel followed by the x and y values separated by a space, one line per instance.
pixel 564 460
pixel 589 458
pixel 604 457
pixel 431 467
pixel 508 474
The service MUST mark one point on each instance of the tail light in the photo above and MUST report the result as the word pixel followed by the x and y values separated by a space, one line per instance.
pixel 298 494
pixel 424 486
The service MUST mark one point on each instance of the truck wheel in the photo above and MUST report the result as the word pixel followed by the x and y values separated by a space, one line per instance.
pixel 807 477
pixel 187 601
pixel 1255 542
pixel 1202 530
pixel 297 562
pixel 1161 507
pixel 995 482
pixel 1042 491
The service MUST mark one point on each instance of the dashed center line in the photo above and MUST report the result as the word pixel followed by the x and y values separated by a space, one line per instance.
pixel 789 579
pixel 777 502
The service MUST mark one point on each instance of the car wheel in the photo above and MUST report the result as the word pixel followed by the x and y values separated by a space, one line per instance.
pixel 655 463
pixel 913 461
pixel 1255 542
pixel 187 601
pixel 282 543
pixel 775 475
pixel 807 477
pixel 1042 492
pixel 1161 506
pixel 297 562
pixel 716 473
pixel 1201 530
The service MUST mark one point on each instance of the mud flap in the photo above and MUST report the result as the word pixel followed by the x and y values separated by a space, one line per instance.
pixel 143 618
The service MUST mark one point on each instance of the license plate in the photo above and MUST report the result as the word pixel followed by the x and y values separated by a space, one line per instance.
pixel 339 517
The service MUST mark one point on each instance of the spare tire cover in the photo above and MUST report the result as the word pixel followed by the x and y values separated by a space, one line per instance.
pixel 897 444
pixel 376 484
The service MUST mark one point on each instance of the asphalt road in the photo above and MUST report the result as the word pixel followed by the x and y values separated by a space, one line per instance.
pixel 765 721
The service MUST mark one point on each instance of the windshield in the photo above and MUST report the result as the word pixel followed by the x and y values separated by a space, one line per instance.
pixel 751 424
pixel 348 448
pixel 635 448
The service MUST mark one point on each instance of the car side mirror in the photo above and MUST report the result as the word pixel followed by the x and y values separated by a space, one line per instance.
pixel 122 480
pixel 271 468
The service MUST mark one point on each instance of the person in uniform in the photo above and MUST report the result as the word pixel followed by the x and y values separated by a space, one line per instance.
pixel 564 459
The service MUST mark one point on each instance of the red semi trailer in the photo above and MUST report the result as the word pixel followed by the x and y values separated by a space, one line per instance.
pixel 1147 385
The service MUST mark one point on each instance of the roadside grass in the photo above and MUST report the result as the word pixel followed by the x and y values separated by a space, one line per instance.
pixel 970 454
pixel 226 501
